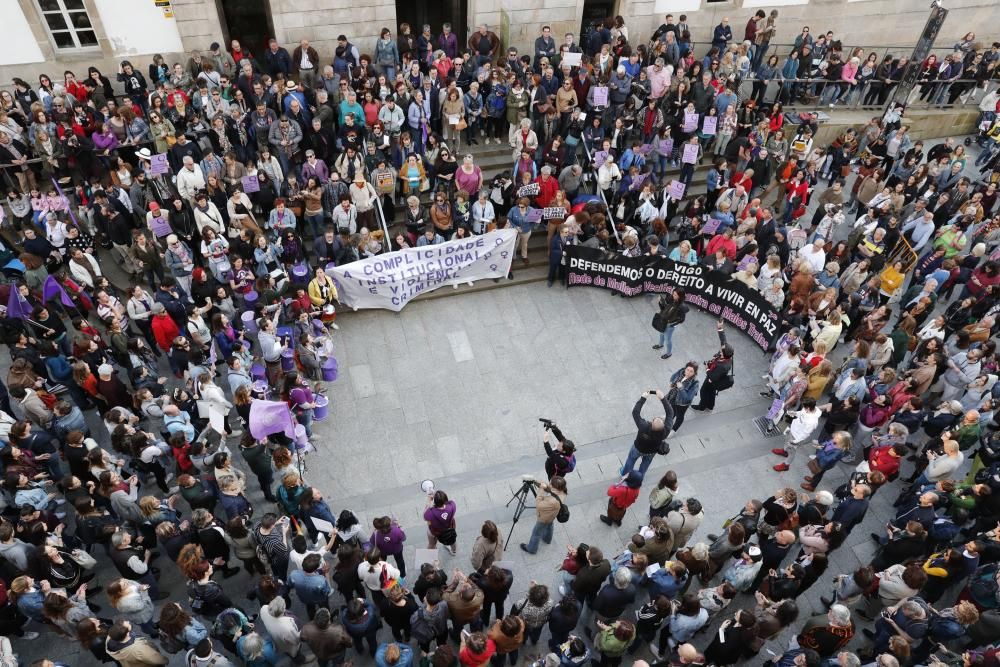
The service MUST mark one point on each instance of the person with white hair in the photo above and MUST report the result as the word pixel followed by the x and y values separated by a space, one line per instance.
pixel 282 628
pixel 829 632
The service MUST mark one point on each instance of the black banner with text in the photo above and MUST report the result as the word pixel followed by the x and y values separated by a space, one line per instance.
pixel 709 290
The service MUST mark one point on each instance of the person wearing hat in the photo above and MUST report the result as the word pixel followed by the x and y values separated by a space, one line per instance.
pixel 158 223
pixel 621 496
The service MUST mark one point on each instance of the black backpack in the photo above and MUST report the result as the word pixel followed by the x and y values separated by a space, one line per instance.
pixel 563 515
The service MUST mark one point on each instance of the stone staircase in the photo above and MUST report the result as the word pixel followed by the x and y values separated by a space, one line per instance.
pixel 493 159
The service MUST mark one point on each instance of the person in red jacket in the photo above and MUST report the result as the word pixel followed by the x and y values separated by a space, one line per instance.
pixel 547 187
pixel 886 459
pixel 723 242
pixel 621 495
pixel 981 280
pixel 476 650
pixel 164 328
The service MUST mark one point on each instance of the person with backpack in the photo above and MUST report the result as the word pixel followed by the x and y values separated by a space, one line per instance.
pixel 549 506
pixel 561 459
pixel 651 438
pixel 719 375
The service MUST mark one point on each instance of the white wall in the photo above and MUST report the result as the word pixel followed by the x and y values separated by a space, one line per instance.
pixel 138 27
pixel 18 45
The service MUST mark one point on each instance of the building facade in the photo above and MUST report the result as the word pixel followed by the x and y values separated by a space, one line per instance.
pixel 50 36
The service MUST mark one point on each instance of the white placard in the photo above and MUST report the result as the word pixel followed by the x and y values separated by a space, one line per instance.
pixel 421 556
pixel 323 526
pixel 571 59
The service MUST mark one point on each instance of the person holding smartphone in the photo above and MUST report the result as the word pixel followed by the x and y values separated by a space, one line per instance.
pixel 651 435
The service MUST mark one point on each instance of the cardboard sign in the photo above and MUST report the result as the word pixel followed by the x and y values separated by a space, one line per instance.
pixel 638 181
pixel 158 164
pixel 533 215
pixel 690 121
pixel 529 190
pixel 690 154
pixel 676 190
pixel 571 59
pixel 600 157
pixel 250 184
pixel 645 149
pixel 746 262
pixel 666 147
pixel 710 125
pixel 601 96
pixel 710 227
pixel 552 212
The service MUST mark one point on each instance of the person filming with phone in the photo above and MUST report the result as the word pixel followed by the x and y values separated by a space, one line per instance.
pixel 719 375
pixel 651 438
pixel 561 459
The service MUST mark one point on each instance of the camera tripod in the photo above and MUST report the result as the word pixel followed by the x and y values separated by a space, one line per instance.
pixel 521 496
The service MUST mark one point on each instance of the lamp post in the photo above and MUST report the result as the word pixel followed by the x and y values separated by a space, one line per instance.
pixel 921 50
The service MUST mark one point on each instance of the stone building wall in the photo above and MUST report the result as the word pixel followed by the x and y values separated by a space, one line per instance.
pixel 865 22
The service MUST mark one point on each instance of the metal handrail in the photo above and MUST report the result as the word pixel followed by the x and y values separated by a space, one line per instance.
pixel 380 214
pixel 858 92
pixel 600 193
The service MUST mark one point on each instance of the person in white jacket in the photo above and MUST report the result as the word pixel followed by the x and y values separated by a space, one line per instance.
pixel 190 179
pixel 608 173
pixel 804 422
pixel 79 262
pixel 206 214
pixel 212 394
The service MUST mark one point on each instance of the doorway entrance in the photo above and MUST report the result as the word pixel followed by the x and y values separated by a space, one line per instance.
pixel 248 21
pixel 594 13
pixel 434 14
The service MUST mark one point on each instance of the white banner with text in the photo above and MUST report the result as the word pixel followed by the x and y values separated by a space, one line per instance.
pixel 393 279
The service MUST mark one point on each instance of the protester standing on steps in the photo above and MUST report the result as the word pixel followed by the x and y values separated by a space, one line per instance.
pixel 651 436
pixel 673 310
pixel 719 375
pixel 550 499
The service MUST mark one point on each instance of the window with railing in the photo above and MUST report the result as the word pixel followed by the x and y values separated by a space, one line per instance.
pixel 68 24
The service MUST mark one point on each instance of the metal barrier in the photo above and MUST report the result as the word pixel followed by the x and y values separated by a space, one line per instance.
pixel 379 212
pixel 810 94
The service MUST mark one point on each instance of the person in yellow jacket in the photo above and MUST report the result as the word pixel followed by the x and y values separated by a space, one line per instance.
pixel 323 294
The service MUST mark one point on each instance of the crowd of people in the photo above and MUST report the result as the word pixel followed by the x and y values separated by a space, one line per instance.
pixel 226 185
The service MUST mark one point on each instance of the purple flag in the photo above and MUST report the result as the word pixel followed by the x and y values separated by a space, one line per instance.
pixel 16 305
pixel 267 417
pixel 51 289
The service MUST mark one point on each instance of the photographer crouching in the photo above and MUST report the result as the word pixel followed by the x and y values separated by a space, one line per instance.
pixel 651 438
pixel 561 459
pixel 549 503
